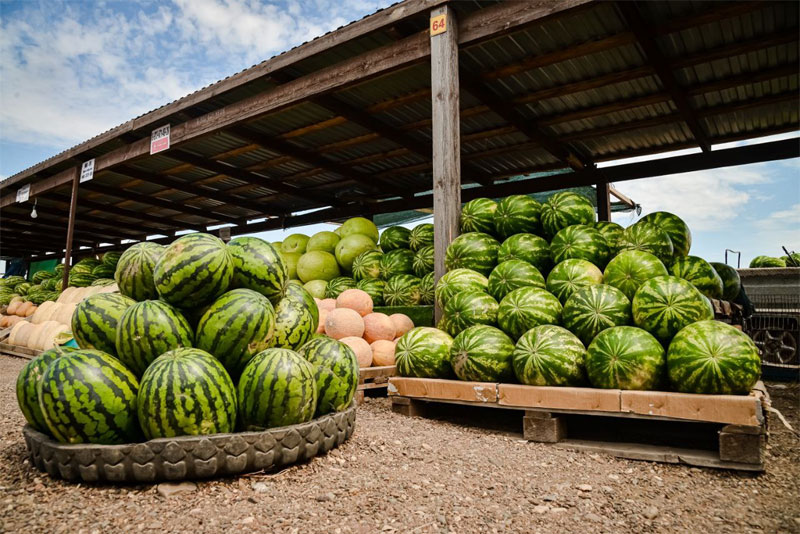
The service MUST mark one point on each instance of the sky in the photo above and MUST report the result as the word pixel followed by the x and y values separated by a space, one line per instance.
pixel 72 70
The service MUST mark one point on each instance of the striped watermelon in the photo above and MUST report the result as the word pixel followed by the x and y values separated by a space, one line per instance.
pixel 613 234
pixel 517 214
pixel 625 357
pixel 482 354
pixel 277 388
pixel 424 352
pixel 335 373
pixel 594 308
pixel 400 261
pixel 294 324
pixel 297 291
pixel 469 308
pixel 699 273
pixel 527 247
pixel 147 330
pixel 186 392
pixel 649 238
pixel 393 238
pixel 473 250
pixel 477 215
pixel 677 230
pixel 402 290
pixel 236 327
pixel 423 261
pixel 257 265
pixel 194 270
pixel 421 236
pixel 565 209
pixel 111 258
pixel 526 307
pixel 88 396
pixel 570 275
pixel 95 319
pixel 103 271
pixel 664 305
pixel 582 242
pixel 766 261
pixel 456 281
pixel 731 283
pixel 426 289
pixel 338 285
pixel 513 274
pixel 374 288
pixel 549 355
pixel 631 268
pixel 714 358
pixel 28 385
pixel 367 265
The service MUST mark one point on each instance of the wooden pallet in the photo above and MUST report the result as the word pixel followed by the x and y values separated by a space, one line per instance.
pixel 374 379
pixel 18 351
pixel 721 431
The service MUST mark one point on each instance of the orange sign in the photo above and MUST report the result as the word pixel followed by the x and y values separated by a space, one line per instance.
pixel 438 24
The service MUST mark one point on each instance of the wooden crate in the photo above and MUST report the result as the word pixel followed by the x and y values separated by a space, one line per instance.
pixel 722 431
pixel 375 379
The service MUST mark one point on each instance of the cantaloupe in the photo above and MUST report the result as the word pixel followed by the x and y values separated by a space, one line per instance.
pixel 383 352
pixel 402 323
pixel 361 348
pixel 344 322
pixel 327 304
pixel 378 326
pixel 323 314
pixel 355 299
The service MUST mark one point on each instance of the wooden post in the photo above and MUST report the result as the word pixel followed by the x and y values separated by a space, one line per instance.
pixel 603 201
pixel 73 206
pixel 446 134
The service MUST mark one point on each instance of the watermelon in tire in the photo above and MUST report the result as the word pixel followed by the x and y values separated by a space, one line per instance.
pixel 456 281
pixel 731 283
pixel 517 214
pixel 294 324
pixel 94 321
pixel 527 247
pixel 186 392
pixel 393 238
pixel 570 275
pixel 336 286
pixel 677 230
pixel 424 352
pixel 194 270
pixel 649 238
pixel 400 261
pixel 511 275
pixel 665 305
pixel 367 265
pixel 565 209
pixel 582 242
pixel 631 268
pixel 134 273
pixel 549 355
pixel 421 236
pixel 525 308
pixel 592 309
pixel 766 261
pixel 402 290
pixel 277 388
pixel 482 353
pixel 427 289
pixel 257 265
pixel 625 357
pixel 27 386
pixel 613 234
pixel 473 250
pixel 335 373
pixel 477 215
pixel 469 308
pixel 147 330
pixel 423 261
pixel 699 273
pixel 374 288
pixel 714 358
pixel 88 396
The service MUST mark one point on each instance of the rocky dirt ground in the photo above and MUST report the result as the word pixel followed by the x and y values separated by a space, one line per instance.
pixel 412 475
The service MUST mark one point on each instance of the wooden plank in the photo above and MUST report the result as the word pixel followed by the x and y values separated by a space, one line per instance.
pixel 437 389
pixel 379 371
pixel 73 208
pixel 728 409
pixel 603 191
pixel 557 398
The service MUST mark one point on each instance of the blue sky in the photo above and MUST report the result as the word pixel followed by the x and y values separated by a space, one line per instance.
pixel 71 70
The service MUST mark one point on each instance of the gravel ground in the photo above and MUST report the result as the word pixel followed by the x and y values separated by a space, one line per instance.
pixel 412 475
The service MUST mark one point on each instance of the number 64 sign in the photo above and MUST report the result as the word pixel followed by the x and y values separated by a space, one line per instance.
pixel 438 24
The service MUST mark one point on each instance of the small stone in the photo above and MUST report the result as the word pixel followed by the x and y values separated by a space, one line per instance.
pixel 613 477
pixel 325 497
pixel 558 510
pixel 260 487
pixel 247 520
pixel 549 498
pixel 426 446
pixel 651 512
pixel 585 487
pixel 607 489
pixel 170 489
pixel 540 509
pixel 593 518
pixel 397 442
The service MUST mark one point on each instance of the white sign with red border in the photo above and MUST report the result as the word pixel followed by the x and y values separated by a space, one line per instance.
pixel 87 170
pixel 159 140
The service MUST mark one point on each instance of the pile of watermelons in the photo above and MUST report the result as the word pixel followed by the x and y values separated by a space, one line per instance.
pixel 203 338
pixel 545 295
pixel 761 262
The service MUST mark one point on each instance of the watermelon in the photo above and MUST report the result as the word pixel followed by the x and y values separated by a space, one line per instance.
pixel 526 307
pixel 570 275
pixel 517 214
pixel 40 276
pixel 731 283
pixel 194 270
pixel 630 269
pixel 526 247
pixel 111 258
pixel 482 353
pixel 625 357
pixel 649 238
pixel 81 279
pixel 426 289
pixel 367 265
pixel 565 209
pixel 456 281
pixel 402 290
pixel 582 242
pixel 473 250
pixel 421 236
pixel 766 261
pixel 477 215
pixel 186 392
pixel 676 229
pixel 513 274
pixel 374 288
pixel 28 383
pixel 297 291
pixel 549 355
pixel 95 319
pixel 469 308
pixel 294 323
pixel 277 388
pixel 134 274
pixel 337 285
pixel 88 396
pixel 613 234
pixel 257 265
pixel 594 308
pixel 714 358
pixel 423 261
pixel 424 352
pixel 335 373
pixel 236 327
pixel 103 271
pixel 393 238
pixel 700 273
pixel 666 304
pixel 400 261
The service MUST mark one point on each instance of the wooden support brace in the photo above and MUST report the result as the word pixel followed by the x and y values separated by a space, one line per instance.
pixel 742 444
pixel 73 207
pixel 603 201
pixel 407 406
pixel 543 427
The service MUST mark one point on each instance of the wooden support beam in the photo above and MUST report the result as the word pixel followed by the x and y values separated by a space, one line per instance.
pixel 73 209
pixel 621 197
pixel 14 227
pixel 603 190
pixel 139 217
pixel 22 221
